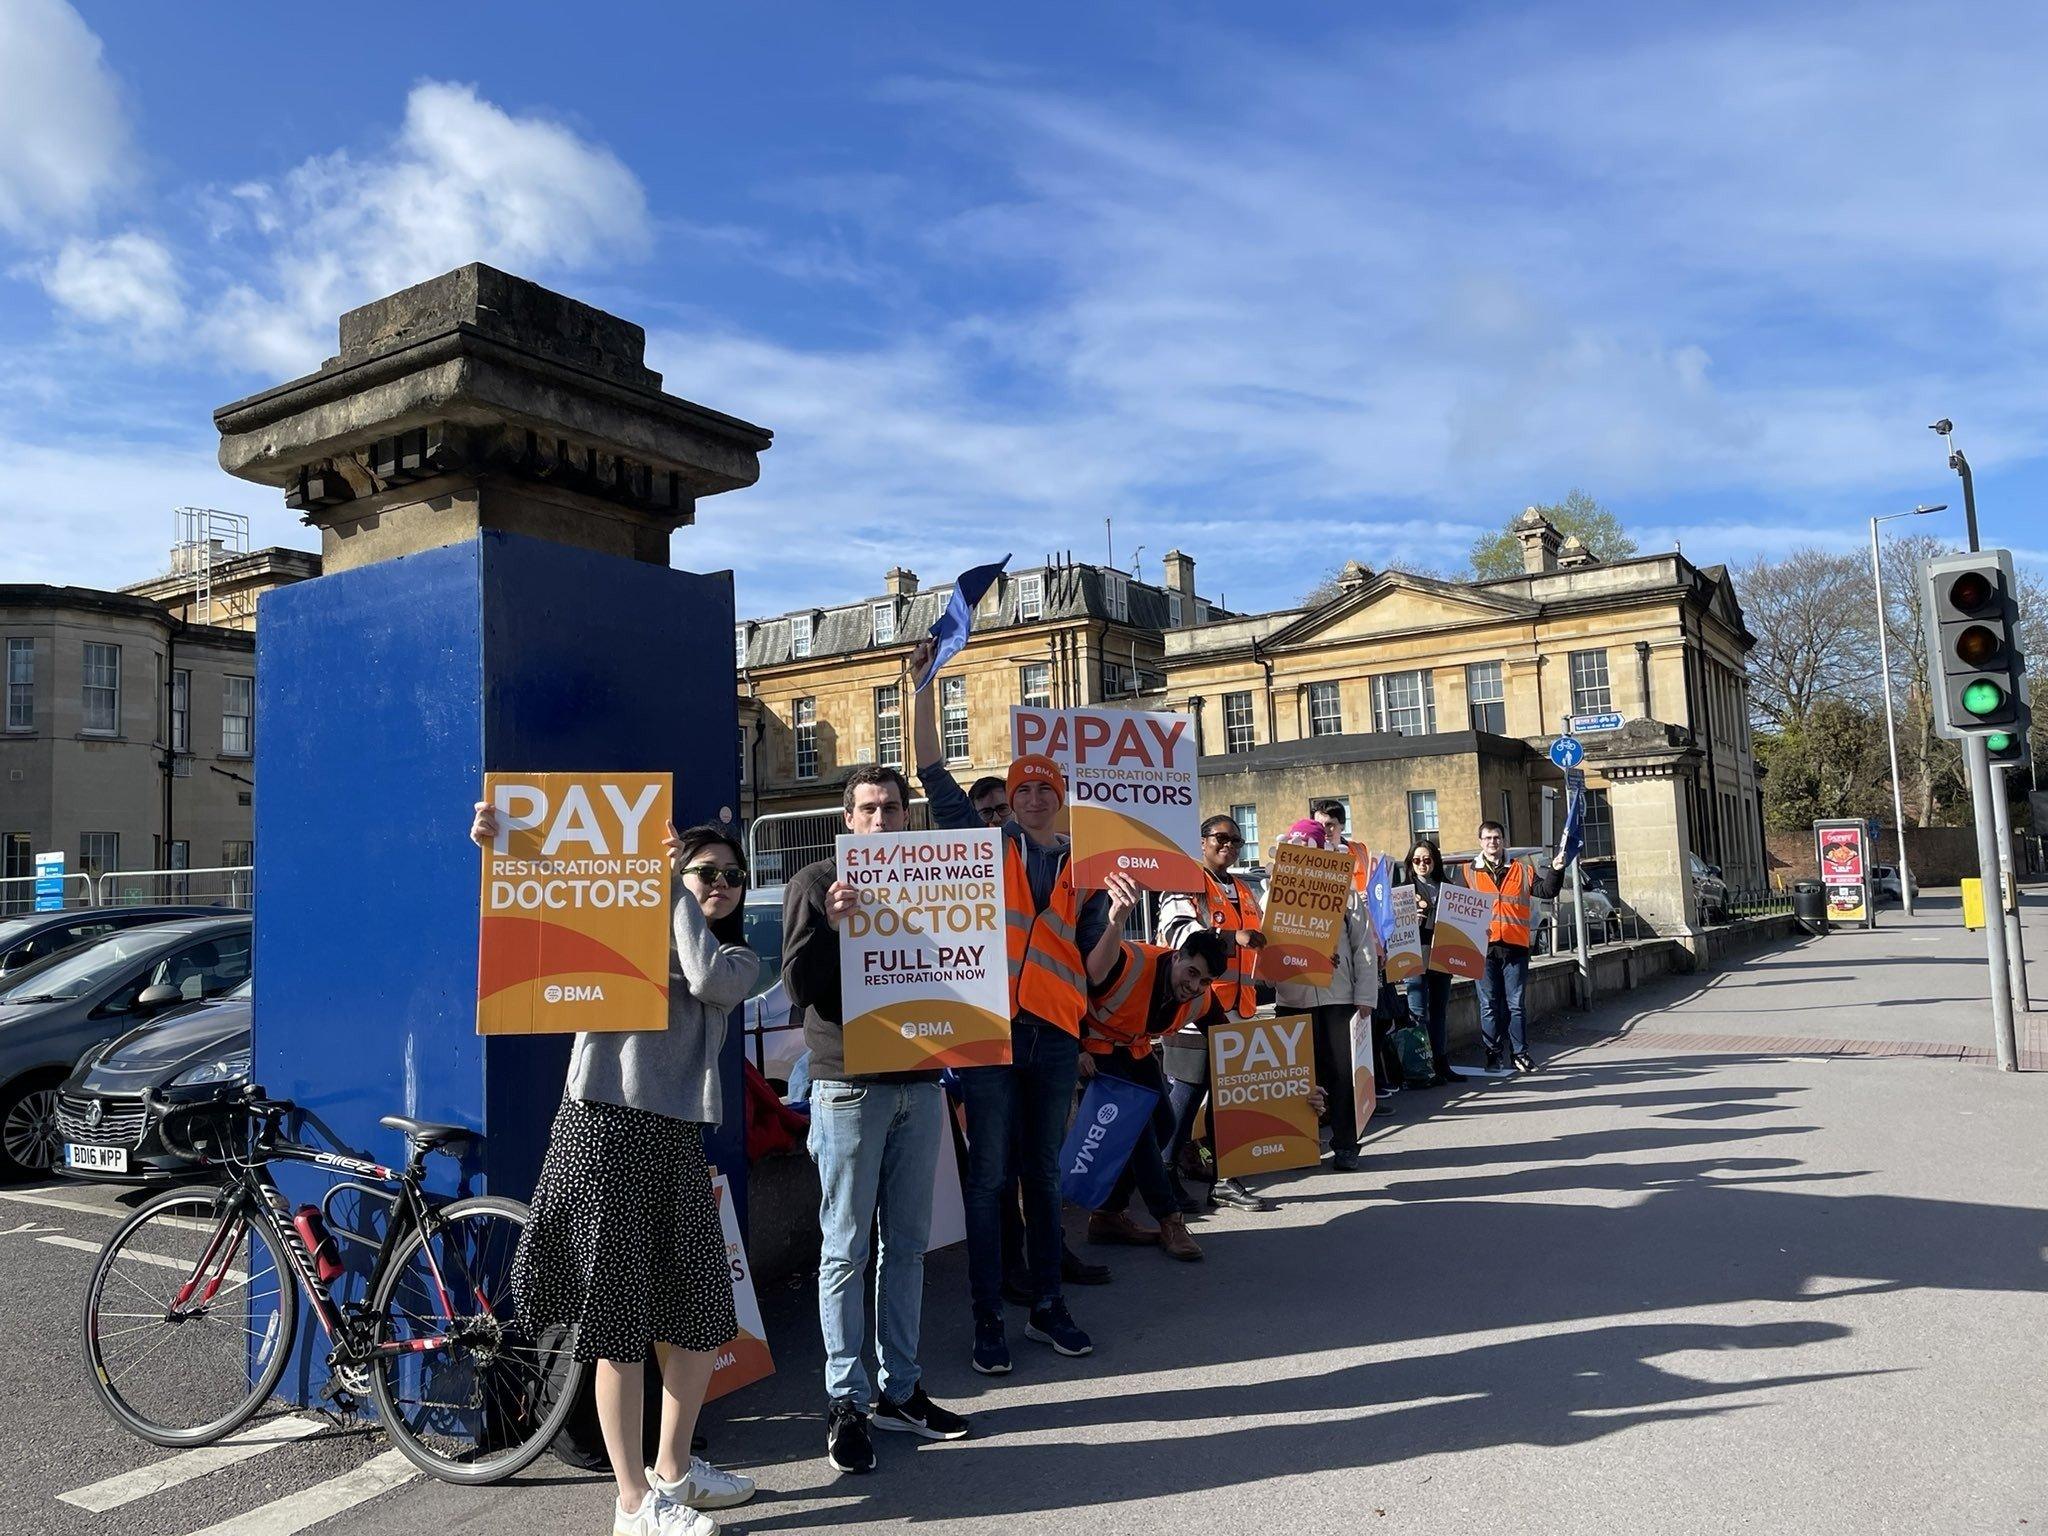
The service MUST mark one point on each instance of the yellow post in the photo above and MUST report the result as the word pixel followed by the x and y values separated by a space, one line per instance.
pixel 1973 903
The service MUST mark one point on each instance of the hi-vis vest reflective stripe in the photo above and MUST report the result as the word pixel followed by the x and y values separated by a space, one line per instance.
pixel 1511 901
pixel 1228 916
pixel 1046 973
pixel 1121 1016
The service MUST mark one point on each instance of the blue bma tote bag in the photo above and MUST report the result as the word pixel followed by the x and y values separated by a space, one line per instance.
pixel 1106 1127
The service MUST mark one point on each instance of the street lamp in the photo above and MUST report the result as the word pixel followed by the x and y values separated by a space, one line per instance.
pixel 1884 666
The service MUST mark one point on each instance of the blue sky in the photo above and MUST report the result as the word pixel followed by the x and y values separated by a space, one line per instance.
pixel 1278 286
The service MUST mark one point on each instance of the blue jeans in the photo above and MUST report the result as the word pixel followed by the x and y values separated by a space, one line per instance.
pixel 1500 998
pixel 876 1146
pixel 1016 1120
pixel 1429 1004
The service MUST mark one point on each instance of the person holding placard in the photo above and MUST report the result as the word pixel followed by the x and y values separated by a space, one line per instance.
pixel 1226 906
pixel 623 1240
pixel 1342 1014
pixel 876 1142
pixel 1017 1115
pixel 1330 815
pixel 1429 992
pixel 1514 884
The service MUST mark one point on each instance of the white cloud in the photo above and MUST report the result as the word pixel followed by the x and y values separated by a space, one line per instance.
pixel 463 181
pixel 63 138
pixel 127 280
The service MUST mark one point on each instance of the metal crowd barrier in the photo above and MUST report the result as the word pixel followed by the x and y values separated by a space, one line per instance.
pixel 783 842
pixel 18 892
pixel 231 885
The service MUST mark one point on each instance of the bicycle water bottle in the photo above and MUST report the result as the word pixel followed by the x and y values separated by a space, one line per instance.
pixel 319 1243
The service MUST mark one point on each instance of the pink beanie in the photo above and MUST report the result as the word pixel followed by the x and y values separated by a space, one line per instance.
pixel 1307 831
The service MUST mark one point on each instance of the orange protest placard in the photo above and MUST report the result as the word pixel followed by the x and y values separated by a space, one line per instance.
pixel 1261 1075
pixel 1130 791
pixel 1304 920
pixel 1458 946
pixel 746 1359
pixel 576 912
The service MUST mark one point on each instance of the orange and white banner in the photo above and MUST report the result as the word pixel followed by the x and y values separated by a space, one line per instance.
pixel 1261 1075
pixel 1403 955
pixel 576 905
pixel 1458 946
pixel 924 960
pixel 1131 795
pixel 1304 921
pixel 746 1359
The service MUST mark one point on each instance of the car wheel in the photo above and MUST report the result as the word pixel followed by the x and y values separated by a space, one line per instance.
pixel 29 1138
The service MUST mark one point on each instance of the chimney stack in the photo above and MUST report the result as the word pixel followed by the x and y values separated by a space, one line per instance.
pixel 1179 572
pixel 1573 553
pixel 1539 539
pixel 901 583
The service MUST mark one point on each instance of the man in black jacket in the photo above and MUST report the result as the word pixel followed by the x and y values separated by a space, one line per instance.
pixel 876 1140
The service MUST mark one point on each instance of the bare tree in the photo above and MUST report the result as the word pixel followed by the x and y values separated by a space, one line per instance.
pixel 1811 613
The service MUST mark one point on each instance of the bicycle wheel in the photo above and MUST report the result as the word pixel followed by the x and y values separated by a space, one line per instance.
pixel 473 1398
pixel 189 1317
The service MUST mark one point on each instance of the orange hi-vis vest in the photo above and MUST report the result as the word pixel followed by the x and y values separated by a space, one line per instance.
pixel 1047 976
pixel 1510 901
pixel 1121 1014
pixel 1361 867
pixel 1230 915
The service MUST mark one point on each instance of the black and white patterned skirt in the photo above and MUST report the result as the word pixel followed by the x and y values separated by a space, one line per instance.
pixel 624 1238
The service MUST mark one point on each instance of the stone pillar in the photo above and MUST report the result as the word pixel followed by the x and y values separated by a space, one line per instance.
pixel 1649 769
pixel 495 475
pixel 1539 539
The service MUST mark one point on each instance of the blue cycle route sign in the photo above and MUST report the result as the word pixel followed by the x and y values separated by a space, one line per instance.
pixel 1567 752
pixel 49 882
pixel 1609 721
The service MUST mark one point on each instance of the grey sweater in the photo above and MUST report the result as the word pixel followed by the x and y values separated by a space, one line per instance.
pixel 672 1071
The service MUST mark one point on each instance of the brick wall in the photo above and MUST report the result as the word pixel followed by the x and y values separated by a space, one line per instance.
pixel 1938 855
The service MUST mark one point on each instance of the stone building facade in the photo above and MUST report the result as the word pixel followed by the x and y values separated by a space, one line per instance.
pixel 128 738
pixel 819 688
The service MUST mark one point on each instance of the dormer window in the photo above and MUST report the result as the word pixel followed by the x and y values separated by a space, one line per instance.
pixel 800 635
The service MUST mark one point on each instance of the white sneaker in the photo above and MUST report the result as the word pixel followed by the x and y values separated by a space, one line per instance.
pixel 704 1486
pixel 659 1515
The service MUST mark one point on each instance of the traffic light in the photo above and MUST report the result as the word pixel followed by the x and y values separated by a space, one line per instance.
pixel 1977 671
pixel 2010 746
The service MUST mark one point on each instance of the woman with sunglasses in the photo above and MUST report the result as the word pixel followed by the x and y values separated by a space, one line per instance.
pixel 1429 992
pixel 624 1237
pixel 1225 906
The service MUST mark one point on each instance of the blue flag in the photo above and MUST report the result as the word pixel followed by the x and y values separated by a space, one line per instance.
pixel 1379 897
pixel 1106 1128
pixel 1574 837
pixel 957 622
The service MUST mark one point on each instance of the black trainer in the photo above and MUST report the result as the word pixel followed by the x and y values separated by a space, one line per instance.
pixel 848 1445
pixel 1053 1324
pixel 1523 1063
pixel 919 1415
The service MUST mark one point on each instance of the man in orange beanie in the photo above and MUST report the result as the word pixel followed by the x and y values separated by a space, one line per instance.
pixel 1017 1115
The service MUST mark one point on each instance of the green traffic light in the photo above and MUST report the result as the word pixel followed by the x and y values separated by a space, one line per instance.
pixel 1998 741
pixel 1983 697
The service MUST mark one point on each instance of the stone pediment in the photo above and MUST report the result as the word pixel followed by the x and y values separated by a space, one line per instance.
pixel 1395 603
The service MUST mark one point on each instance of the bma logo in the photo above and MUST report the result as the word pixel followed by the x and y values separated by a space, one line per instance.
pixel 1268 1148
pixel 1106 1115
pixel 916 1029
pixel 589 994
pixel 1093 1138
pixel 1126 861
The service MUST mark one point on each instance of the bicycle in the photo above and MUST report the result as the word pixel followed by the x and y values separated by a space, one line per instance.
pixel 190 1319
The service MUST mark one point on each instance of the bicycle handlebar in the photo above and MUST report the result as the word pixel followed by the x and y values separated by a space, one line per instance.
pixel 249 1103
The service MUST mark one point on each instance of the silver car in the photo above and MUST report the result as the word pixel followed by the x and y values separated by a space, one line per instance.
pixel 53 1013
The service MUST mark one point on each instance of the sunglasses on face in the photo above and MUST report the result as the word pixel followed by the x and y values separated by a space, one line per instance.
pixel 1225 840
pixel 715 875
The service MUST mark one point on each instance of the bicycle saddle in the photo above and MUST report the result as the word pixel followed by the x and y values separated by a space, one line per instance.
pixel 429 1134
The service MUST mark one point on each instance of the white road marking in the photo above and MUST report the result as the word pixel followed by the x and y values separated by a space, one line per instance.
pixel 127 1487
pixel 296 1511
pixel 117 1213
pixel 161 1260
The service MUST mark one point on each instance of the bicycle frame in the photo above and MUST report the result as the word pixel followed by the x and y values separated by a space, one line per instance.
pixel 410 1211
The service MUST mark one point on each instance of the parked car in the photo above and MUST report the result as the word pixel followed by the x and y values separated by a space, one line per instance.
pixel 32 936
pixel 55 1011
pixel 774 1042
pixel 1558 920
pixel 1886 884
pixel 104 1111
pixel 1710 889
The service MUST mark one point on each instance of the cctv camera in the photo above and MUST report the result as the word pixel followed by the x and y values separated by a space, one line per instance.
pixel 1943 426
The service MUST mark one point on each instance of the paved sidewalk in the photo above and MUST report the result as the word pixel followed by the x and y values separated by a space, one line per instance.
pixel 1747 1286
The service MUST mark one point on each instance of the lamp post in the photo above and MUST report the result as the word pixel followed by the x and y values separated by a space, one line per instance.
pixel 1884 667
